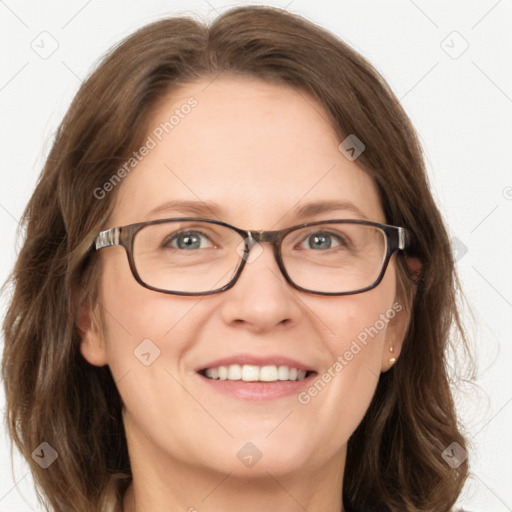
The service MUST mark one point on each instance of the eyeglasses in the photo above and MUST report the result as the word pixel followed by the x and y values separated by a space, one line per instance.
pixel 193 256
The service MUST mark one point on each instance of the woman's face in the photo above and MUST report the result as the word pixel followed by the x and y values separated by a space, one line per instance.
pixel 255 153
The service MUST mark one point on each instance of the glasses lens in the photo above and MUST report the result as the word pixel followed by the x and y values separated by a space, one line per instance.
pixel 187 256
pixel 334 257
pixel 198 257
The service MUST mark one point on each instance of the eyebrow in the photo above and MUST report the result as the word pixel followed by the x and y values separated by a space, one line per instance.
pixel 196 208
pixel 316 208
pixel 209 209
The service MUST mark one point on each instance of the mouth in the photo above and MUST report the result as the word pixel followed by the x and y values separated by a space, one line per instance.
pixel 256 378
pixel 256 373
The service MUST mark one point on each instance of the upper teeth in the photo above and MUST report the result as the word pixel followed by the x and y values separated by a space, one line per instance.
pixel 251 373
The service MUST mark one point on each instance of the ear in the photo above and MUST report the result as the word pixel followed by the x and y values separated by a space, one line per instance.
pixel 398 325
pixel 395 335
pixel 92 344
pixel 415 267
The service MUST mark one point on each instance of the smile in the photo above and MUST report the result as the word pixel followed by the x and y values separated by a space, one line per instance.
pixel 255 373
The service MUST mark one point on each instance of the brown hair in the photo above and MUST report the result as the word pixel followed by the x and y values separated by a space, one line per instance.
pixel 394 457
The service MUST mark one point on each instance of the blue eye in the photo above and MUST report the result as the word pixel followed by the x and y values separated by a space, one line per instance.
pixel 189 240
pixel 322 240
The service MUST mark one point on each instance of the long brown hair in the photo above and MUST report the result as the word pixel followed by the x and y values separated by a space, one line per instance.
pixel 394 459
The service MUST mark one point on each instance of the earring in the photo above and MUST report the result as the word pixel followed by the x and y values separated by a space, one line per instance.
pixel 392 360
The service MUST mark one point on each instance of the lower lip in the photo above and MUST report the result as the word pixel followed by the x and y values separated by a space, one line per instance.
pixel 259 390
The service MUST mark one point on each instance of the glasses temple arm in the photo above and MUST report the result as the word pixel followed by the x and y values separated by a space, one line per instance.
pixel 403 239
pixel 107 238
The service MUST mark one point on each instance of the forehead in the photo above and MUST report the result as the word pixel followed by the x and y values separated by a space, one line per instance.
pixel 257 150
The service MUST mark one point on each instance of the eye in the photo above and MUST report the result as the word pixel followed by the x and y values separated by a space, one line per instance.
pixel 188 240
pixel 322 240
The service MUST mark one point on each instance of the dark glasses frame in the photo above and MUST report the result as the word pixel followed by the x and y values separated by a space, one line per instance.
pixel 397 239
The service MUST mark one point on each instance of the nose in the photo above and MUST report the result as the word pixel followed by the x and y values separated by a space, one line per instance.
pixel 261 299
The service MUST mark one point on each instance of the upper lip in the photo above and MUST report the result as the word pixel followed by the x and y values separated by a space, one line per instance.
pixel 267 360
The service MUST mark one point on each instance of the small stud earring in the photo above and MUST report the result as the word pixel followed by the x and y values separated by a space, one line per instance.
pixel 392 360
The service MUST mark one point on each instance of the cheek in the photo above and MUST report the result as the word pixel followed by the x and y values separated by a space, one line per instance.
pixel 143 329
pixel 358 324
pixel 147 333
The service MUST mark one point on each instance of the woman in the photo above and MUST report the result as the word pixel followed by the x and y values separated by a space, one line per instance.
pixel 235 289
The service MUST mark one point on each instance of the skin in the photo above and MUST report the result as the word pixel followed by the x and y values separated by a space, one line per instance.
pixel 258 150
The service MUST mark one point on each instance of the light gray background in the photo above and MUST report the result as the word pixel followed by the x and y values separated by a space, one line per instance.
pixel 461 104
